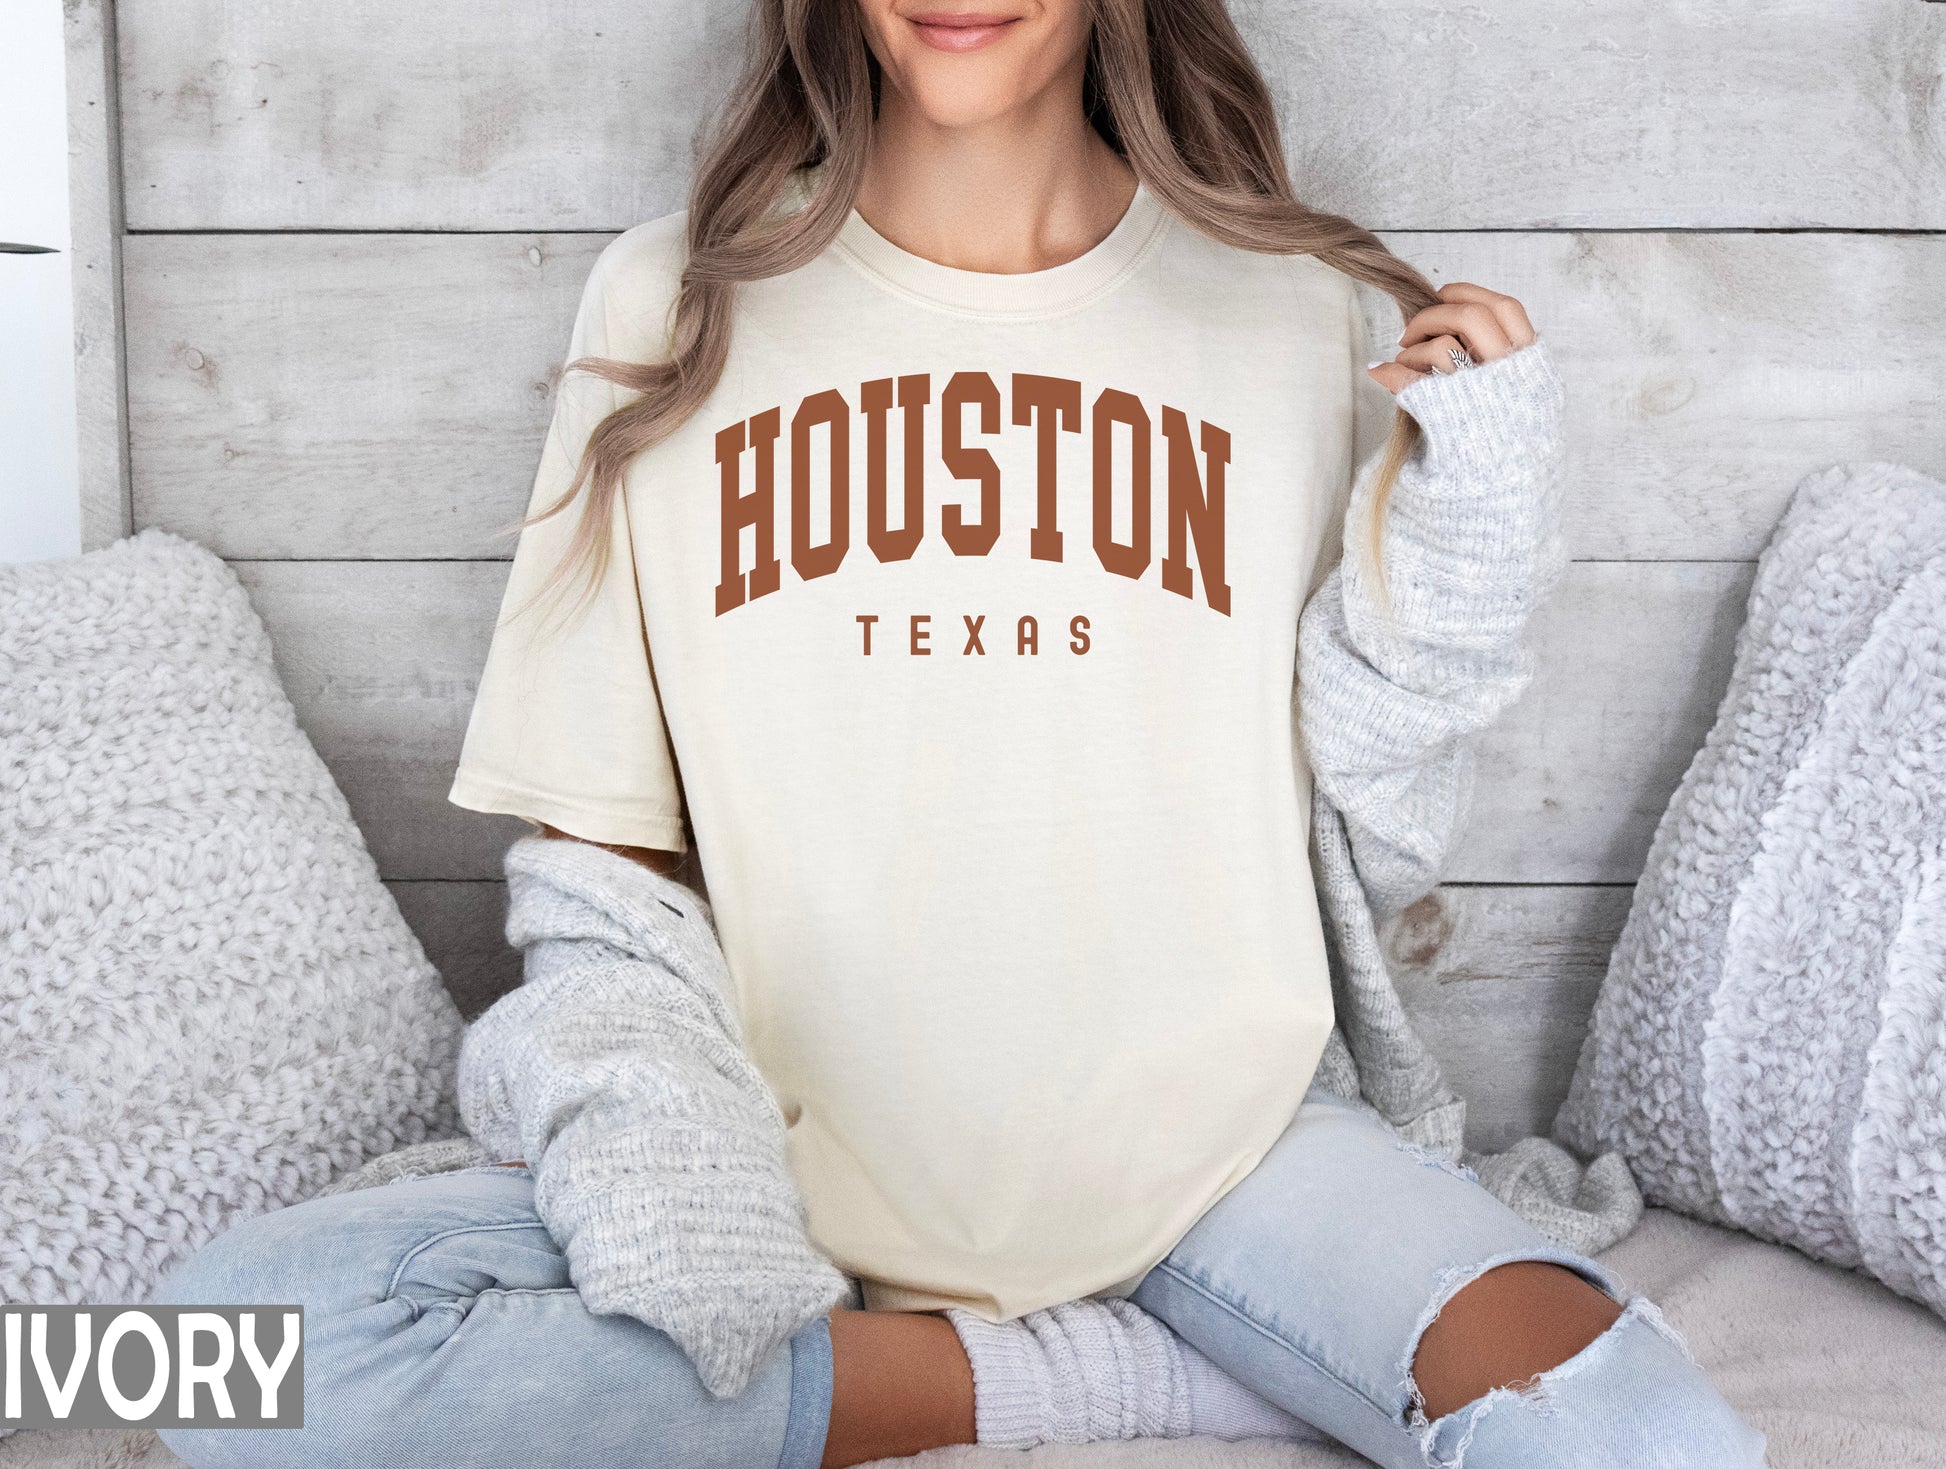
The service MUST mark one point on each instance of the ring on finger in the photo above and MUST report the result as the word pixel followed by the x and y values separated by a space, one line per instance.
pixel 1461 358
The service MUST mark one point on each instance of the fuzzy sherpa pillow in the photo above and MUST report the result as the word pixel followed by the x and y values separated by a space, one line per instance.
pixel 1769 1047
pixel 209 1004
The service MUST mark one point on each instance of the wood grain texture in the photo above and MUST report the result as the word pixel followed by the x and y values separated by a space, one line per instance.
pixel 345 396
pixel 95 232
pixel 463 928
pixel 498 115
pixel 1632 662
pixel 449 114
pixel 1707 373
pixel 381 660
pixel 378 396
pixel 1501 981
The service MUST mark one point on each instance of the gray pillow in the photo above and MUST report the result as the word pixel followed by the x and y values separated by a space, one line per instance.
pixel 209 1003
pixel 1768 1050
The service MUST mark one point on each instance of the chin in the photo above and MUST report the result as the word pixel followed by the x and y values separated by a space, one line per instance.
pixel 960 97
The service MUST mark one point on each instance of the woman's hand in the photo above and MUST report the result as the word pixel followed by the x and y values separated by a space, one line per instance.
pixel 1485 324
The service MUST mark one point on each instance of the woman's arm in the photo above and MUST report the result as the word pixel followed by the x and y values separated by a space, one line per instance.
pixel 656 859
pixel 567 726
pixel 617 1069
pixel 1393 683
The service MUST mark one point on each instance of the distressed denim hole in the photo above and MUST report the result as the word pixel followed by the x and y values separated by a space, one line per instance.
pixel 1533 1392
pixel 1456 1277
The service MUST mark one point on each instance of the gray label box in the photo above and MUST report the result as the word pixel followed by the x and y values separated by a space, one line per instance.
pixel 151 1366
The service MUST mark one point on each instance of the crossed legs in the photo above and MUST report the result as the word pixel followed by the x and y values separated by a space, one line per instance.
pixel 903 1384
pixel 1391 1302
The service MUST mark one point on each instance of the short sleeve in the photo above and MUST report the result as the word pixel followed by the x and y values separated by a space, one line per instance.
pixel 566 726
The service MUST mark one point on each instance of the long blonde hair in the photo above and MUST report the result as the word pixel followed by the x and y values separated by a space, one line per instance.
pixel 1169 85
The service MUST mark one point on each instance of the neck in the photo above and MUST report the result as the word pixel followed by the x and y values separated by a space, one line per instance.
pixel 1025 191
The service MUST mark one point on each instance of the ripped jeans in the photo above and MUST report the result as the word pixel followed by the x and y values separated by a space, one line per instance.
pixel 442 1328
pixel 1312 1280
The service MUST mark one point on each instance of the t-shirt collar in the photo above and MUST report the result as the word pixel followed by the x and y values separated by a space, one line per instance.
pixel 1059 288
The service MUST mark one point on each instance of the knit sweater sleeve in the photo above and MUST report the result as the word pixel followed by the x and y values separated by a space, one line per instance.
pixel 617 1071
pixel 1393 684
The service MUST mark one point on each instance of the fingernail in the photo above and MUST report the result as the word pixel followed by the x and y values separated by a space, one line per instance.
pixel 1376 362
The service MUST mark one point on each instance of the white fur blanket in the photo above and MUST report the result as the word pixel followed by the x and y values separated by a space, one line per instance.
pixel 1839 1372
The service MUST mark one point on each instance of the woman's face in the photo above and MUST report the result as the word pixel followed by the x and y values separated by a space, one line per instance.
pixel 959 63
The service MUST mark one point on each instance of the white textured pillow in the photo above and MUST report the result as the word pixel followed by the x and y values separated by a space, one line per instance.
pixel 1769 1047
pixel 209 1004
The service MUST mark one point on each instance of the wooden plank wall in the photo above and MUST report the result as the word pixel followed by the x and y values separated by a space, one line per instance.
pixel 95 228
pixel 356 233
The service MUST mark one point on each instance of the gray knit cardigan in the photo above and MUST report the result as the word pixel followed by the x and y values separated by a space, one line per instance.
pixel 1392 686
pixel 617 1069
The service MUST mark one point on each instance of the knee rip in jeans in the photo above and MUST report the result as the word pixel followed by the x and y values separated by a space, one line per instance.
pixel 1532 1391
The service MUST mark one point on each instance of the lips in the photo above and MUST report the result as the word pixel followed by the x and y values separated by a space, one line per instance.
pixel 960 30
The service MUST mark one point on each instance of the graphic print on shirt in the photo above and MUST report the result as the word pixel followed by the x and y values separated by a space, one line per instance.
pixel 1121 449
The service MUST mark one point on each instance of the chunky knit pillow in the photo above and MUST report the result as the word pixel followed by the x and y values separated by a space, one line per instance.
pixel 1769 1047
pixel 209 1004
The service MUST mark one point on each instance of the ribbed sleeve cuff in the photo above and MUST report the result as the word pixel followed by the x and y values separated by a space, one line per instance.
pixel 1471 535
pixel 1490 406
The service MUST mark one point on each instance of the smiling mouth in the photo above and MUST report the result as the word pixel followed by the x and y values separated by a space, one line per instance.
pixel 960 30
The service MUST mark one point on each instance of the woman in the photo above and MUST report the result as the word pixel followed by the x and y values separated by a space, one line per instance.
pixel 1004 329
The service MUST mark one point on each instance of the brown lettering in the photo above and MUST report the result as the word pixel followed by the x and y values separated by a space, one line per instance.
pixel 977 538
pixel 972 635
pixel 1197 467
pixel 1112 407
pixel 830 409
pixel 1078 633
pixel 1051 404
pixel 1195 509
pixel 920 632
pixel 865 621
pixel 1027 636
pixel 915 392
pixel 757 509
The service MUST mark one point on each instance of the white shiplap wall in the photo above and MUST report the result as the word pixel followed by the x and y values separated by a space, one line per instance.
pixel 356 234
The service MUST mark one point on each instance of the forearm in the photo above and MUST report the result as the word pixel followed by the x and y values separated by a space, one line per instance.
pixel 618 1070
pixel 656 859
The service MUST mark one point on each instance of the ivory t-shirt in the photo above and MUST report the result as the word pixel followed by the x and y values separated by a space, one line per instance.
pixel 961 621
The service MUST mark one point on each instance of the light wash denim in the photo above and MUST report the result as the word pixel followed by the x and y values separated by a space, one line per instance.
pixel 441 1328
pixel 1312 1279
